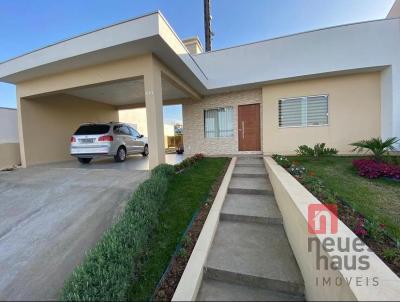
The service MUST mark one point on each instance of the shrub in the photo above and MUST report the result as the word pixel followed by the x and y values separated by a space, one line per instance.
pixel 297 171
pixel 391 254
pixel 377 146
pixel 371 169
pixel 374 229
pixel 282 160
pixel 305 150
pixel 107 270
pixel 318 150
pixel 187 162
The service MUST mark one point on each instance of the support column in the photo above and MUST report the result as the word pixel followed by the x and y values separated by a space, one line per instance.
pixel 390 102
pixel 154 113
pixel 21 131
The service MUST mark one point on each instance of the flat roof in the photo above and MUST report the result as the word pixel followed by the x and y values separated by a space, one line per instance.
pixel 332 50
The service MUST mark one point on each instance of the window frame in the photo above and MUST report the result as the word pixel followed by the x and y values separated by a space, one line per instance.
pixel 306 97
pixel 233 122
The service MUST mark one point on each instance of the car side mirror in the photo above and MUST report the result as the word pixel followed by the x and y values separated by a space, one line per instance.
pixel 140 135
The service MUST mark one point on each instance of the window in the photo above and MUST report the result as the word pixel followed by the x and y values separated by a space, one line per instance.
pixel 303 111
pixel 92 129
pixel 134 133
pixel 122 130
pixel 218 122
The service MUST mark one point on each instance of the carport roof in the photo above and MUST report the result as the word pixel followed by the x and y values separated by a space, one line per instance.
pixel 150 33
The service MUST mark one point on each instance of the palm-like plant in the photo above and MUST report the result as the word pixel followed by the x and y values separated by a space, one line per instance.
pixel 377 146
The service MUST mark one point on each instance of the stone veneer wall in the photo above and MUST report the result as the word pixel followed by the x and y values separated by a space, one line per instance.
pixel 193 123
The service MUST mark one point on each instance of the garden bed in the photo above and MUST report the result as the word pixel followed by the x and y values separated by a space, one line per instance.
pixel 371 208
pixel 188 199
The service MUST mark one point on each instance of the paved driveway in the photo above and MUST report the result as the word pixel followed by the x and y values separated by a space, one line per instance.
pixel 49 216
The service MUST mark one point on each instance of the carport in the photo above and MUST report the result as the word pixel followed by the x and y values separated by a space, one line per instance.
pixel 90 77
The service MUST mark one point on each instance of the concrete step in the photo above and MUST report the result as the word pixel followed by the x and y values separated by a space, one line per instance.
pixel 245 185
pixel 254 254
pixel 250 161
pixel 250 172
pixel 251 208
pixel 213 290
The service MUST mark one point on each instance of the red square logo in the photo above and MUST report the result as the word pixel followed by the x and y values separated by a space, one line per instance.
pixel 321 217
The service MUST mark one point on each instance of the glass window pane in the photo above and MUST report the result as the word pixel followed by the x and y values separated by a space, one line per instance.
pixel 218 122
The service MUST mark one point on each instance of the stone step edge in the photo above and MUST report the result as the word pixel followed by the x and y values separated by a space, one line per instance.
pixel 252 219
pixel 281 286
pixel 261 164
pixel 250 191
pixel 249 175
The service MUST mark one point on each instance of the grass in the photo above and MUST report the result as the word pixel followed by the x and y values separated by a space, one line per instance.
pixel 185 194
pixel 378 200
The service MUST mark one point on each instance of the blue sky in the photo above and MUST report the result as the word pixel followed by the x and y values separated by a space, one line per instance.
pixel 26 25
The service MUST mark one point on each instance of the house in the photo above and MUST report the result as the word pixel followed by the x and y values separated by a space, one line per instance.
pixel 138 119
pixel 334 85
pixel 9 145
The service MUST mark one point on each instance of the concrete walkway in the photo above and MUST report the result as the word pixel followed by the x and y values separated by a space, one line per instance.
pixel 251 258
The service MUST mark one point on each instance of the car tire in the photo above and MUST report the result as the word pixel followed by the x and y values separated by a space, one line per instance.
pixel 145 150
pixel 84 161
pixel 121 155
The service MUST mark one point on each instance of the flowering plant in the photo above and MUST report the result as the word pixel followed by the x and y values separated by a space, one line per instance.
pixel 371 169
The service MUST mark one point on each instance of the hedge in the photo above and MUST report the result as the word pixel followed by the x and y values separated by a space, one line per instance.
pixel 107 270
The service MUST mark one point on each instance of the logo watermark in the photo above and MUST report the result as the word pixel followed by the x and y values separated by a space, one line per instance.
pixel 345 253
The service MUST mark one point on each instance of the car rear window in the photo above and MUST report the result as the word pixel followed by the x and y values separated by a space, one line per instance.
pixel 92 129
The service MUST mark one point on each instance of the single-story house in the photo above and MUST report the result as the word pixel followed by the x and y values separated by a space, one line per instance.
pixel 137 119
pixel 335 85
pixel 9 145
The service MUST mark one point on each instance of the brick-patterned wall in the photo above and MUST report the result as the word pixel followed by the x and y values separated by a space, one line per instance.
pixel 193 123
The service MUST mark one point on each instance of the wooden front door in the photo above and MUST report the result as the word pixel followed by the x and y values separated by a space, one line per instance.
pixel 249 127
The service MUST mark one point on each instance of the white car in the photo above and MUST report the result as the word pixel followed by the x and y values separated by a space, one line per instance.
pixel 112 139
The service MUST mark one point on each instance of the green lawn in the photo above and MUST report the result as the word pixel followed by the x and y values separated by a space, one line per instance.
pixel 377 199
pixel 185 195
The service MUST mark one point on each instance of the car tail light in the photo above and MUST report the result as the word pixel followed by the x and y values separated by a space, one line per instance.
pixel 73 139
pixel 106 138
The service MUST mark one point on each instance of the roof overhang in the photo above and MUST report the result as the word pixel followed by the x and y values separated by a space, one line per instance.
pixel 146 34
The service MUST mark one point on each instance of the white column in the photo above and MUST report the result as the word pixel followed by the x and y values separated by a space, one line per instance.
pixel 390 102
pixel 154 113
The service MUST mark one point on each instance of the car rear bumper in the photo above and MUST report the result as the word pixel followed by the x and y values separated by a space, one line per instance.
pixel 90 151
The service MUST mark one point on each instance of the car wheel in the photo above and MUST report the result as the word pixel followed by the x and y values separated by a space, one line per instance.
pixel 121 154
pixel 145 150
pixel 84 160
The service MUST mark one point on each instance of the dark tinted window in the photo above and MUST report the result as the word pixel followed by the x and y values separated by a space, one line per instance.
pixel 134 132
pixel 92 129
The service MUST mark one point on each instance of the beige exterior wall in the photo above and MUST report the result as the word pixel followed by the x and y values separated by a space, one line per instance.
pixel 395 11
pixel 354 113
pixel 193 123
pixel 138 118
pixel 48 123
pixel 9 155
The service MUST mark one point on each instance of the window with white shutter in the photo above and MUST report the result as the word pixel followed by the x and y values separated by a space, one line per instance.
pixel 303 111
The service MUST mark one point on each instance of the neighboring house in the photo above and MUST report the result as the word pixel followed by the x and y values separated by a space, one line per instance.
pixel 335 85
pixel 9 145
pixel 137 118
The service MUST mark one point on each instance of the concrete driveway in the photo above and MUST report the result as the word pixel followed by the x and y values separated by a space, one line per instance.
pixel 49 216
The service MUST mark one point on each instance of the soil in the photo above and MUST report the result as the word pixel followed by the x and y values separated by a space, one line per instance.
pixel 349 216
pixel 166 289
